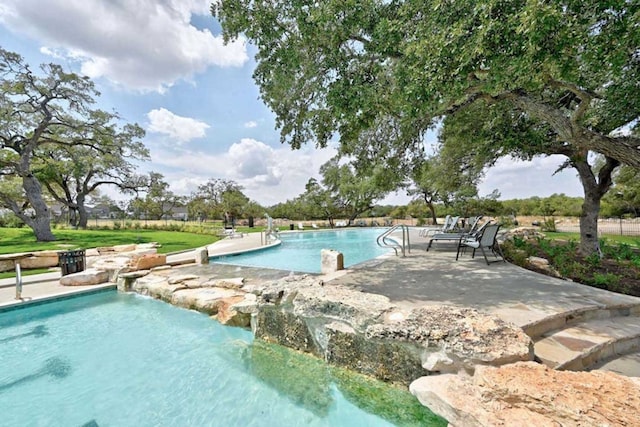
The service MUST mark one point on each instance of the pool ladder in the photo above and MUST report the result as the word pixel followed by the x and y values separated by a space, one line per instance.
pixel 386 241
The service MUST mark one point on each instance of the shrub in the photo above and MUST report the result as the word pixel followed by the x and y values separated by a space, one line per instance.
pixel 549 224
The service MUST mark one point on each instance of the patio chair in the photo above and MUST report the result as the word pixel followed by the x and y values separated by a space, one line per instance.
pixel 455 237
pixel 485 239
pixel 449 226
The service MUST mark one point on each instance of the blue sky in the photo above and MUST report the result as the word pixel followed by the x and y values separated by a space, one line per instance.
pixel 162 64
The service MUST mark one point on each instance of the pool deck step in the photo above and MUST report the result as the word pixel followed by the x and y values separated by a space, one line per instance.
pixel 579 315
pixel 627 364
pixel 583 345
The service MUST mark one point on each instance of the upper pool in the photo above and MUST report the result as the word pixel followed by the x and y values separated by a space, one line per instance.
pixel 301 251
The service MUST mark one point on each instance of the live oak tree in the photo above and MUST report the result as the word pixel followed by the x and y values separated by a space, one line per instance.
pixel 358 68
pixel 498 130
pixel 72 173
pixel 208 201
pixel 449 176
pixel 158 202
pixel 354 191
pixel 44 112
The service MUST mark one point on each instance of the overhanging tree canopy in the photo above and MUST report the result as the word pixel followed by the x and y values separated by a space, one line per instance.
pixel 391 67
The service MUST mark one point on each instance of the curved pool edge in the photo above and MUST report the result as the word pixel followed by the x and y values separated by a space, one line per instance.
pixel 216 252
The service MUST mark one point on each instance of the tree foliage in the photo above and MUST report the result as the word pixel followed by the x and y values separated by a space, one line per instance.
pixel 70 177
pixel 42 113
pixel 389 68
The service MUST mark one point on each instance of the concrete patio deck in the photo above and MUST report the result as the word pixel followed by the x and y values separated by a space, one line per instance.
pixel 571 324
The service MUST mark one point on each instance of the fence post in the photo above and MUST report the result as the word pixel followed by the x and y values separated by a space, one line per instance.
pixel 621 225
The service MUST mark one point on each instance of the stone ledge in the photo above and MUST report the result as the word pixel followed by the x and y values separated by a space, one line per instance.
pixel 530 394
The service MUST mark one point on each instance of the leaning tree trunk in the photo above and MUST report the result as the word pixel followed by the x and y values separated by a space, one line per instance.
pixel 40 223
pixel 432 209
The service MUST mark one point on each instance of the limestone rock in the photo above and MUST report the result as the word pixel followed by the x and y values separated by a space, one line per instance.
pixel 40 259
pixel 542 264
pixel 528 393
pixel 201 256
pixel 331 261
pixel 156 286
pixel 124 248
pixel 232 283
pixel 90 276
pixel 148 261
pixel 150 245
pixel 523 233
pixel 91 252
pixel 182 278
pixel 366 333
pixel 206 300
pixel 125 280
pixel 7 265
pixel 228 313
pixel 111 263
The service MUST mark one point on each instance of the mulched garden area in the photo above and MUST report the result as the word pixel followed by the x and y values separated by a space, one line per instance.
pixel 618 271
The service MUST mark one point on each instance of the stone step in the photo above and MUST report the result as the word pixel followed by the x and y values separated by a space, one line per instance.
pixel 582 345
pixel 627 364
pixel 562 320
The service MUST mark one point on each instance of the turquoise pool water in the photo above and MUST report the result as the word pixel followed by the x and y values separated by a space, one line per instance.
pixel 301 251
pixel 113 359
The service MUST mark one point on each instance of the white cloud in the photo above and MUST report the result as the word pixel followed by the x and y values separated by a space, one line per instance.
pixel 144 45
pixel 181 128
pixel 250 124
pixel 268 175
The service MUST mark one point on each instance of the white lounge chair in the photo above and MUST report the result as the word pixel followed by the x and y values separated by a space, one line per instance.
pixel 300 226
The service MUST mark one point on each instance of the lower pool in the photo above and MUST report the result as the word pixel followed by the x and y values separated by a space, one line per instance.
pixel 114 359
pixel 301 251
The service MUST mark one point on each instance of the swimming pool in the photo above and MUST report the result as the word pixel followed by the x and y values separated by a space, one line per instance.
pixel 113 359
pixel 300 252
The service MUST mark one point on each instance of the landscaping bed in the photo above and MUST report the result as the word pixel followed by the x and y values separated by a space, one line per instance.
pixel 618 270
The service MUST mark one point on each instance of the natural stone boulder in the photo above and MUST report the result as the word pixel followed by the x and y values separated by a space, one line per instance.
pixel 124 248
pixel 523 233
pixel 240 313
pixel 206 300
pixel 366 333
pixel 90 276
pixel 148 261
pixel 530 394
pixel 542 264
pixel 125 281
pixel 110 263
pixel 40 259
pixel 157 286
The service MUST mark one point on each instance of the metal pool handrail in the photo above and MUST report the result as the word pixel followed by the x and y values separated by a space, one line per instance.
pixel 386 241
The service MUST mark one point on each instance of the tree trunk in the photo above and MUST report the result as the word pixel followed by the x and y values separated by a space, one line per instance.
pixel 594 190
pixel 432 209
pixel 83 216
pixel 589 242
pixel 40 222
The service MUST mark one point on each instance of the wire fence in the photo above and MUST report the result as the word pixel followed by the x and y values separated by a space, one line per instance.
pixel 617 226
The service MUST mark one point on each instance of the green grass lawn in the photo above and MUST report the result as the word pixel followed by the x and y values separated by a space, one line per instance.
pixel 14 240
pixel 611 239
